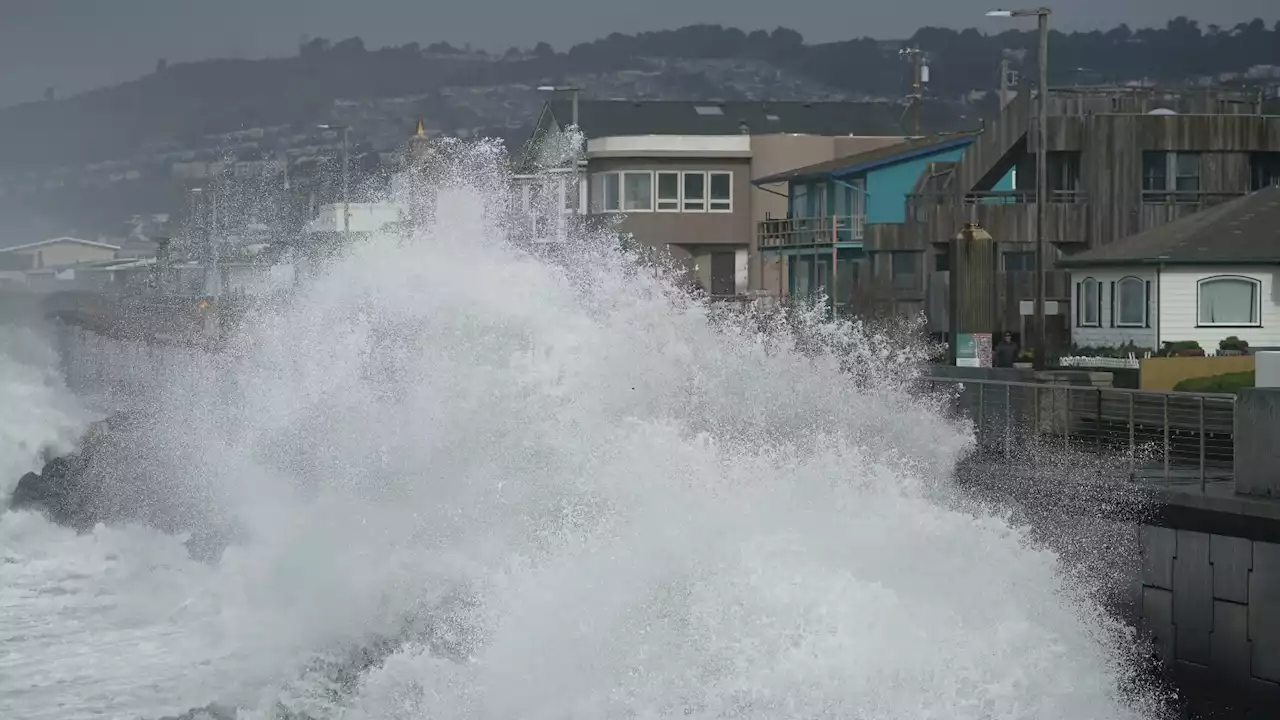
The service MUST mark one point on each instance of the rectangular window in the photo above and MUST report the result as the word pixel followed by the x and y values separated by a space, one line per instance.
pixel 569 189
pixel 1186 167
pixel 1019 261
pixel 905 269
pixel 799 202
pixel 721 191
pixel 612 192
pixel 695 192
pixel 1166 175
pixel 1264 170
pixel 668 191
pixel 942 260
pixel 637 192
pixel 1155 172
pixel 1064 174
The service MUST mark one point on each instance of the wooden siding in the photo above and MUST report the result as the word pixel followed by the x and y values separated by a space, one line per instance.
pixel 1200 133
pixel 978 165
pixel 1179 306
pixel 928 223
pixel 1011 289
pixel 1108 332
pixel 1139 101
pixel 1110 128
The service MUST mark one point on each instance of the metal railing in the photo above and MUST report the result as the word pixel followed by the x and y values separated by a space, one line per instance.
pixel 1177 437
pixel 799 232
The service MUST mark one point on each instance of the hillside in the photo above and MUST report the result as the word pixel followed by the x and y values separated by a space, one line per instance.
pixel 93 145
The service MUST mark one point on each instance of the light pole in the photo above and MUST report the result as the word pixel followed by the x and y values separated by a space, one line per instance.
pixel 346 201
pixel 1042 171
pixel 573 90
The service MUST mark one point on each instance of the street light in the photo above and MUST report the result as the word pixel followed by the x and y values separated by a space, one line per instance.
pixel 1042 175
pixel 346 202
pixel 573 89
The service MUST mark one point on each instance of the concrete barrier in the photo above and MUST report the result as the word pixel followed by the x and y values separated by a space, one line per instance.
pixel 1266 369
pixel 1257 454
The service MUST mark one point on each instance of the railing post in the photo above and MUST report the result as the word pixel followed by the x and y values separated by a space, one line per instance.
pixel 1066 417
pixel 1132 444
pixel 1166 439
pixel 981 415
pixel 1007 420
pixel 1097 423
pixel 1202 442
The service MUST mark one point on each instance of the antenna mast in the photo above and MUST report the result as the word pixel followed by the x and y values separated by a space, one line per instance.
pixel 919 76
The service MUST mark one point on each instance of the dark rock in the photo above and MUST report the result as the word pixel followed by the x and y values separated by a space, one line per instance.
pixel 208 712
pixel 105 483
pixel 58 490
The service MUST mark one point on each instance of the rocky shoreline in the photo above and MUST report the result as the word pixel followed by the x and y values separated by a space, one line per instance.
pixel 78 491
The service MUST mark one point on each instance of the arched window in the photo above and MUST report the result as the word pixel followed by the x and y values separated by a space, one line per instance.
pixel 1229 300
pixel 1131 302
pixel 1088 300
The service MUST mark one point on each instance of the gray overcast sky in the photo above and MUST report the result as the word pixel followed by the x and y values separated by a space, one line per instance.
pixel 78 44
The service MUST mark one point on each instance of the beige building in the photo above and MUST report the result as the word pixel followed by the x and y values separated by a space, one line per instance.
pixel 678 174
pixel 57 252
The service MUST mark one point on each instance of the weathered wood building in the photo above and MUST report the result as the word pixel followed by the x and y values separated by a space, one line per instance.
pixel 1120 161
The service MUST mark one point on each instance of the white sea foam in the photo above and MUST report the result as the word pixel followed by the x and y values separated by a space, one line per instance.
pixel 565 492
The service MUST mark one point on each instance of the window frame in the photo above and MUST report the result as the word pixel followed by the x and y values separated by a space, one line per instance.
pixel 677 202
pixel 604 192
pixel 684 192
pixel 1118 294
pixel 1082 313
pixel 711 201
pixel 1171 176
pixel 905 281
pixel 1255 310
pixel 622 185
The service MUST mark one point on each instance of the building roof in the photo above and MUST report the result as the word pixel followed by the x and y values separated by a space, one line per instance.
pixel 866 160
pixel 53 241
pixel 612 118
pixel 1242 231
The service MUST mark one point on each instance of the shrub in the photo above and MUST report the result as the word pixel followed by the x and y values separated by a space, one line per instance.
pixel 1181 348
pixel 1224 383
pixel 1233 344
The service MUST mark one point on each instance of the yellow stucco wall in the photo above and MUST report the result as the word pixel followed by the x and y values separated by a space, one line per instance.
pixel 1163 373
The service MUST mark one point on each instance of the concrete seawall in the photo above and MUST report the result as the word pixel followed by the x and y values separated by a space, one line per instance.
pixel 1194 559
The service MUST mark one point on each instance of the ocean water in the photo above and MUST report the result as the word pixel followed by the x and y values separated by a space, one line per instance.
pixel 471 483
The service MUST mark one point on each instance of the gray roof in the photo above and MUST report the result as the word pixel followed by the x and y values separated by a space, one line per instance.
pixel 867 159
pixel 1245 230
pixel 606 118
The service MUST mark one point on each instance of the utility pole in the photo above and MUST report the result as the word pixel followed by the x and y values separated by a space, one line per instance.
pixel 919 76
pixel 1042 171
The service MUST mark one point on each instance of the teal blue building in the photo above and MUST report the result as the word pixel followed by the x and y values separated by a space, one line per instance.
pixel 834 206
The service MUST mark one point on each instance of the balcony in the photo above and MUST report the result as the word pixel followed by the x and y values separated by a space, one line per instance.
pixel 1010 216
pixel 810 232
pixel 1160 208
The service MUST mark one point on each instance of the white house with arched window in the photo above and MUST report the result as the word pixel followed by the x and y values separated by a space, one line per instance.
pixel 1205 277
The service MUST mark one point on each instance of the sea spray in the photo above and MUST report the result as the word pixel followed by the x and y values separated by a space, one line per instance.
pixel 565 489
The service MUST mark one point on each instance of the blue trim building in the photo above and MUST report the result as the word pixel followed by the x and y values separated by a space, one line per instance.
pixel 833 206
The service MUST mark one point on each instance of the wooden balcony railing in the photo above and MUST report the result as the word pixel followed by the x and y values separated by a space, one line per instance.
pixel 998 197
pixel 807 232
pixel 1160 208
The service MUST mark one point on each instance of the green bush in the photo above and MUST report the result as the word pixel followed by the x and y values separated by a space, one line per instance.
pixel 1224 383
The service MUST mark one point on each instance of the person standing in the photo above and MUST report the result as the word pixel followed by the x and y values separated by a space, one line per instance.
pixel 1006 353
